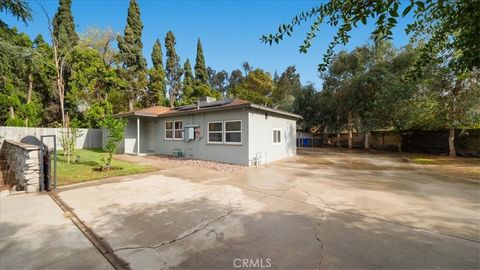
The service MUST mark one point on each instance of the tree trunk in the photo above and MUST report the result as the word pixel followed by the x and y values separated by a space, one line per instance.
pixel 338 139
pixel 399 144
pixel 30 88
pixel 367 140
pixel 350 129
pixel 11 111
pixel 451 142
pixel 130 104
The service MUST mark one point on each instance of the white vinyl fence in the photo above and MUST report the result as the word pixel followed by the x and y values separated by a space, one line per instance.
pixel 90 137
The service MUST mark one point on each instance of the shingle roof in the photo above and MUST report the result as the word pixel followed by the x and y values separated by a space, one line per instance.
pixel 160 111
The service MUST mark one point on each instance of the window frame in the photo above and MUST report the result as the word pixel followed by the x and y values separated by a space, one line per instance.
pixel 221 132
pixel 274 137
pixel 225 131
pixel 175 129
pixel 172 130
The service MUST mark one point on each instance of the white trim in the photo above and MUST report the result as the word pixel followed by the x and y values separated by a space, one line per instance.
pixel 236 131
pixel 273 136
pixel 208 132
pixel 175 129
pixel 165 133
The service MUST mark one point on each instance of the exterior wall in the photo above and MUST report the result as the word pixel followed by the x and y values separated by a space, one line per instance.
pixel 90 138
pixel 200 148
pixel 261 126
pixel 130 140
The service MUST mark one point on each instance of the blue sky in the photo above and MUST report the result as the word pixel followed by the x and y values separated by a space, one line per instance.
pixel 229 30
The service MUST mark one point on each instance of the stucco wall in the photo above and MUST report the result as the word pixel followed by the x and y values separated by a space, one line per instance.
pixel 200 148
pixel 261 126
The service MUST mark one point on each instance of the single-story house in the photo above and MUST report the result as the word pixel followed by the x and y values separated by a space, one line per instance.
pixel 229 130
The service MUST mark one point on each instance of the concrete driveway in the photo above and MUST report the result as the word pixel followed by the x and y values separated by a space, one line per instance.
pixel 322 209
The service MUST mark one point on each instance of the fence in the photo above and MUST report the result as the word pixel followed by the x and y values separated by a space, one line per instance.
pixel 467 142
pixel 90 137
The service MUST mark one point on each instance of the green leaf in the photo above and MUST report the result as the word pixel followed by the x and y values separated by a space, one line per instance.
pixel 407 10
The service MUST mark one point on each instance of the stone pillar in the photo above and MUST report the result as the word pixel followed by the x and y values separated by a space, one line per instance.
pixel 24 160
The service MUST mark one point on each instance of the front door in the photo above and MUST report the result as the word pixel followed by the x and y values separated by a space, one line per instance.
pixel 150 140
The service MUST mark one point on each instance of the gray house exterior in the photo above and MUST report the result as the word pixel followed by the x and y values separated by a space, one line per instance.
pixel 229 131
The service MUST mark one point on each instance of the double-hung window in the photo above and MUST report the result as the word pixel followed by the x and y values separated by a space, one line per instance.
pixel 178 130
pixel 173 130
pixel 233 132
pixel 169 130
pixel 277 136
pixel 215 132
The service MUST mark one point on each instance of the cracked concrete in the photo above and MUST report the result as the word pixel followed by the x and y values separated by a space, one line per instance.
pixel 322 209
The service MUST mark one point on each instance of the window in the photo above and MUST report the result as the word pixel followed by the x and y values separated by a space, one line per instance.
pixel 178 131
pixel 233 131
pixel 215 132
pixel 277 136
pixel 168 130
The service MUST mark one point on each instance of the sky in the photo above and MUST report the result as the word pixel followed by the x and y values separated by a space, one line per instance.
pixel 229 30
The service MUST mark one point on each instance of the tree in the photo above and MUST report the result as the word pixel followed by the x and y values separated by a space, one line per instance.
pixel 173 70
pixel 286 86
pixel 157 85
pixel 18 8
pixel 218 81
pixel 101 40
pixel 116 129
pixel 64 27
pixel 134 65
pixel 187 84
pixel 256 87
pixel 22 63
pixel 445 26
pixel 236 77
pixel 201 74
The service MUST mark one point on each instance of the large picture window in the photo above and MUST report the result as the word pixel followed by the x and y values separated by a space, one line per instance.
pixel 233 132
pixel 277 136
pixel 169 130
pixel 178 130
pixel 215 132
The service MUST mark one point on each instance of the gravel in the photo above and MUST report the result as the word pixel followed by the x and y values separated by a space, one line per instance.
pixel 218 166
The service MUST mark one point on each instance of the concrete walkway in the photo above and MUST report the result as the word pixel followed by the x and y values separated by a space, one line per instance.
pixel 35 234
pixel 323 209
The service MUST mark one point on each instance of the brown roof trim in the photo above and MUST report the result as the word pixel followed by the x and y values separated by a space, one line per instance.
pixel 231 107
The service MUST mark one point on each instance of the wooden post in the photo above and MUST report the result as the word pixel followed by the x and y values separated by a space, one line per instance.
pixel 138 136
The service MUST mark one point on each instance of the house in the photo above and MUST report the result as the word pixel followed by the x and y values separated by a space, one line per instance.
pixel 229 130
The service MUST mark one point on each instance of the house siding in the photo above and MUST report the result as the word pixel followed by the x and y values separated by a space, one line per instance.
pixel 200 148
pixel 261 126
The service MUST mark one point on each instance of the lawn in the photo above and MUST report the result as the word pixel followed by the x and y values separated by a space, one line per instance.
pixel 87 167
pixel 458 166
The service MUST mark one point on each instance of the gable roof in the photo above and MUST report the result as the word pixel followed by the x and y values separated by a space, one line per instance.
pixel 220 105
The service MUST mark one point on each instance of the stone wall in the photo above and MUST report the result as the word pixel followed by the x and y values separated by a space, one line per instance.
pixel 24 161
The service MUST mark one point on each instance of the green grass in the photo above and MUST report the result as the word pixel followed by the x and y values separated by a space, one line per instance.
pixel 423 160
pixel 87 168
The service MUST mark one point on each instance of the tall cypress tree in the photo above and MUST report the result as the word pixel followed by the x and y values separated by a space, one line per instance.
pixel 201 74
pixel 157 83
pixel 187 83
pixel 63 26
pixel 130 53
pixel 173 69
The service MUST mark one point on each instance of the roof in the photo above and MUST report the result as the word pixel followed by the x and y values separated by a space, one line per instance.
pixel 220 105
pixel 150 111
